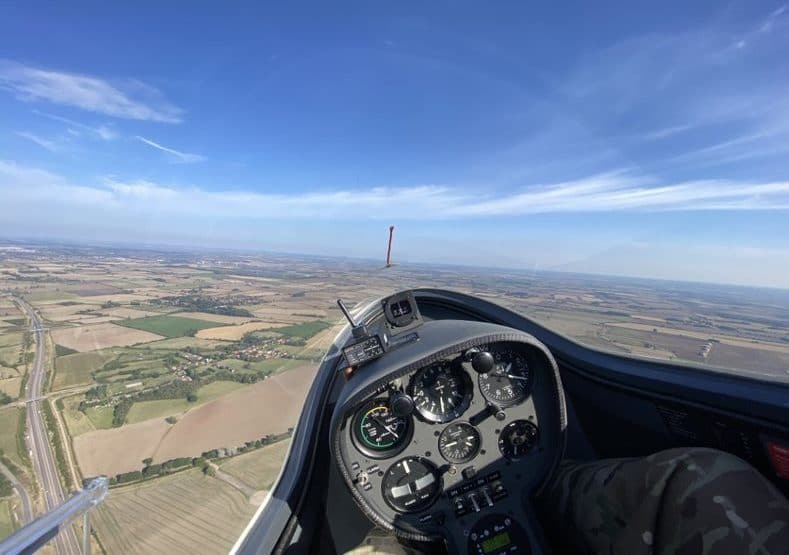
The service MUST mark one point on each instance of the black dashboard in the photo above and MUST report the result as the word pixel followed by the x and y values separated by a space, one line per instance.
pixel 451 434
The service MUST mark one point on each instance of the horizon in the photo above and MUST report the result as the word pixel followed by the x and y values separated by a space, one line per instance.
pixel 616 140
pixel 448 266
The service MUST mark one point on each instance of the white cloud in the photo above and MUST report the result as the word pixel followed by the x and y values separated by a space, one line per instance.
pixel 129 99
pixel 768 24
pixel 178 156
pixel 666 132
pixel 103 132
pixel 612 192
pixel 106 133
pixel 51 146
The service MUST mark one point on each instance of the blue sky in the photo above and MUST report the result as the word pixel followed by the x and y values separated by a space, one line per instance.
pixel 650 139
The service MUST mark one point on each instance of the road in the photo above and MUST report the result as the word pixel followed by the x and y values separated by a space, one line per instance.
pixel 27 505
pixel 37 438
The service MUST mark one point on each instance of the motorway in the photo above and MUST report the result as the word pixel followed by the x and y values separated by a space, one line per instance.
pixel 38 439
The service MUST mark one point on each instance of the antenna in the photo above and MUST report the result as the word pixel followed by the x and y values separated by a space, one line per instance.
pixel 389 250
pixel 358 330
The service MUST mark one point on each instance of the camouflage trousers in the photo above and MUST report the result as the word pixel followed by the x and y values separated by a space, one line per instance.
pixel 675 502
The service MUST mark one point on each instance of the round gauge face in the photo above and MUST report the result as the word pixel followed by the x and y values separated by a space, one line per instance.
pixel 377 432
pixel 508 383
pixel 517 439
pixel 441 392
pixel 459 442
pixel 411 485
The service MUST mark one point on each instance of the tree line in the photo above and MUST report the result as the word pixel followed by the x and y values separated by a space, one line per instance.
pixel 151 470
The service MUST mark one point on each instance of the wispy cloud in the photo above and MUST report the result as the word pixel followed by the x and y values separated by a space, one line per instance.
pixel 176 155
pixel 769 23
pixel 707 90
pixel 612 192
pixel 51 146
pixel 129 99
pixel 103 132
pixel 666 132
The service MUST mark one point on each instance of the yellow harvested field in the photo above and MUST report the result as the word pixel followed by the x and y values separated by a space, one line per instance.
pixel 59 313
pixel 8 372
pixel 124 312
pixel 234 333
pixel 323 340
pixel 283 316
pixel 259 468
pixel 118 450
pixel 267 407
pixel 100 336
pixel 734 341
pixel 11 386
pixel 184 513
pixel 220 318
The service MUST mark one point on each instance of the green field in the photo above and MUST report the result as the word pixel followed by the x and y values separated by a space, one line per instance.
pixel 100 417
pixel 272 365
pixel 260 467
pixel 6 522
pixel 62 351
pixel 8 338
pixel 305 330
pixel 9 418
pixel 9 356
pixel 76 369
pixel 168 326
pixel 146 410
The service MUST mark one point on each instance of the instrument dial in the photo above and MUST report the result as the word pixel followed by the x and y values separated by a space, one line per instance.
pixel 517 439
pixel 411 485
pixel 441 392
pixel 459 442
pixel 377 432
pixel 507 384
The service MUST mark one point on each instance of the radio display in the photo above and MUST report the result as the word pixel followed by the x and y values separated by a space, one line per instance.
pixel 496 542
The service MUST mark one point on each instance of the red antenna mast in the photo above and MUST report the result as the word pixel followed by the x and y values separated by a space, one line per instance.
pixel 389 250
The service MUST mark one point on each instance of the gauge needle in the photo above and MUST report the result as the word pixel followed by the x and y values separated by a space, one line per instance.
pixel 385 427
pixel 441 399
pixel 514 377
pixel 451 444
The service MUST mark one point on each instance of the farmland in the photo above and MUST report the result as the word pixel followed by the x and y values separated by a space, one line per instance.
pixel 6 522
pixel 259 468
pixel 100 336
pixel 187 513
pixel 168 326
pixel 267 407
pixel 153 409
pixel 9 419
pixel 77 368
pixel 233 333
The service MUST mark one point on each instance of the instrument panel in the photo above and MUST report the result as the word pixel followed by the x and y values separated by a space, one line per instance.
pixel 479 437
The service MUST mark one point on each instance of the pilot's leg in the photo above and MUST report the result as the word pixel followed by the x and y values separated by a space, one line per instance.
pixel 679 501
pixel 381 542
